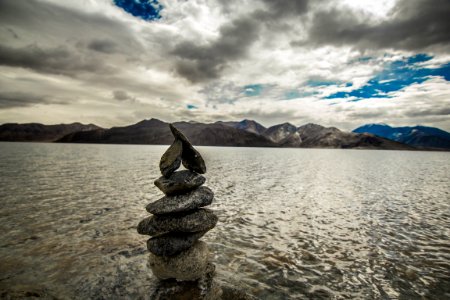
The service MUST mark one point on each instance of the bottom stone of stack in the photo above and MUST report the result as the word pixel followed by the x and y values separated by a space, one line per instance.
pixel 188 265
pixel 206 288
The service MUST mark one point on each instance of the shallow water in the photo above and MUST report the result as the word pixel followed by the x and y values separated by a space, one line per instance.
pixel 293 223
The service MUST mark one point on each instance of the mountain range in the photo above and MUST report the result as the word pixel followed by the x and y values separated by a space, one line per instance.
pixel 417 136
pixel 35 132
pixel 156 132
pixel 246 133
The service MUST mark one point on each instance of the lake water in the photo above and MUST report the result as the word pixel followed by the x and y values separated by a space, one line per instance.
pixel 293 223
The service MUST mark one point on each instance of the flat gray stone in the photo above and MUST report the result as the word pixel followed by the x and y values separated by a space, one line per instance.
pixel 179 182
pixel 191 158
pixel 171 159
pixel 198 220
pixel 172 243
pixel 200 197
pixel 188 265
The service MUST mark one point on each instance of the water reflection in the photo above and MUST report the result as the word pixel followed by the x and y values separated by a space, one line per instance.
pixel 294 223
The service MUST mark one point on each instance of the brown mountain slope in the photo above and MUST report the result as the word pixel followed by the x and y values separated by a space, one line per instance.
pixel 156 132
pixel 317 136
pixel 35 132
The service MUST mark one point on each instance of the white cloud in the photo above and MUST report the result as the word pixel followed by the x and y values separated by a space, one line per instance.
pixel 138 58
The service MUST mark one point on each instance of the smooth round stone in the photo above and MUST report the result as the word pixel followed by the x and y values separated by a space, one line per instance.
pixel 188 265
pixel 172 243
pixel 179 182
pixel 171 159
pixel 205 288
pixel 198 220
pixel 200 197
pixel 192 160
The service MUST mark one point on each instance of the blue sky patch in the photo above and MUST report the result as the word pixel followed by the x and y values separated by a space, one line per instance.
pixel 394 77
pixel 191 106
pixel 253 90
pixel 294 94
pixel 145 9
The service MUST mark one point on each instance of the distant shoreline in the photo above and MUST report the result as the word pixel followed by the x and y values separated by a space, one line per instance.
pixel 216 146
pixel 245 133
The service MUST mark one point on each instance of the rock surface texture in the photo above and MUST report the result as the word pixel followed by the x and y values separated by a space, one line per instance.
pixel 171 159
pixel 187 265
pixel 177 258
pixel 191 158
pixel 180 182
pixel 199 220
pixel 181 203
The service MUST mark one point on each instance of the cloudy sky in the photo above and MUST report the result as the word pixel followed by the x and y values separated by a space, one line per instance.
pixel 339 63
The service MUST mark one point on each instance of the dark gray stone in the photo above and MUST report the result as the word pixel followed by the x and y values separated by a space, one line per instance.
pixel 198 220
pixel 200 197
pixel 170 244
pixel 205 288
pixel 171 159
pixel 179 182
pixel 191 158
pixel 187 265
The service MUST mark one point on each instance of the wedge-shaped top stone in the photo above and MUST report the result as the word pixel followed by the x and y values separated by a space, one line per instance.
pixel 191 158
pixel 200 197
pixel 179 182
pixel 172 243
pixel 171 159
pixel 198 220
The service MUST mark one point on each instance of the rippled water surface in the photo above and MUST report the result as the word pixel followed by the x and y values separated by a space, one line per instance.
pixel 294 223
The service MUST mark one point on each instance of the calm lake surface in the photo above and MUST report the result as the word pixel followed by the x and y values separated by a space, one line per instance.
pixel 293 223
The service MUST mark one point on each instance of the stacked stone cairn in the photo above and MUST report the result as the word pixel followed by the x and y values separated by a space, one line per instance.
pixel 179 218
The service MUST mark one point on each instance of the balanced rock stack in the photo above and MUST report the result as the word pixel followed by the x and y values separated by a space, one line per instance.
pixel 179 219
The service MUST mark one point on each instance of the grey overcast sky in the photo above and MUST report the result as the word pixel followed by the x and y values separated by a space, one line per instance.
pixel 339 63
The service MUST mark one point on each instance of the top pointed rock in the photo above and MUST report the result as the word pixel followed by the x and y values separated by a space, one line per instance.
pixel 191 158
pixel 171 159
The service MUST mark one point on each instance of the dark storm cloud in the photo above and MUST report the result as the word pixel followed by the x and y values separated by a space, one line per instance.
pixel 30 12
pixel 281 8
pixel 414 25
pixel 270 9
pixel 376 113
pixel 121 95
pixel 103 45
pixel 47 20
pixel 409 112
pixel 22 99
pixel 13 33
pixel 442 111
pixel 202 62
pixel 57 60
